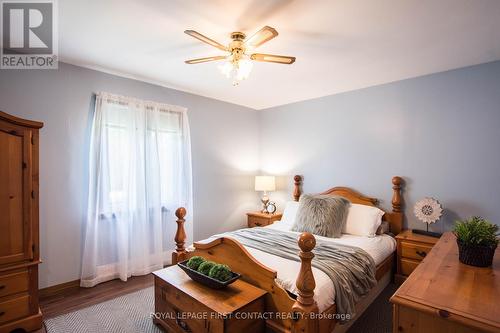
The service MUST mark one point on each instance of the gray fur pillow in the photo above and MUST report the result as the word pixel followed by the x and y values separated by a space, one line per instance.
pixel 323 215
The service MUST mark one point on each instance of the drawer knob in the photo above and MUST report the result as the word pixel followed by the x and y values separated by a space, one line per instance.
pixel 182 324
pixel 2 287
pixel 422 253
pixel 443 313
pixel 2 313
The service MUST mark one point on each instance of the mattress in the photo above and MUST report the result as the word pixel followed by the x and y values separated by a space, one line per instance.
pixel 379 247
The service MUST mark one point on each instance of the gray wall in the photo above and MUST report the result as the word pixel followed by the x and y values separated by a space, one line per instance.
pixel 441 132
pixel 224 148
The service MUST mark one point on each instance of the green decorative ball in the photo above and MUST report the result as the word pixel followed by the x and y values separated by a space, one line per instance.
pixel 195 262
pixel 220 272
pixel 205 267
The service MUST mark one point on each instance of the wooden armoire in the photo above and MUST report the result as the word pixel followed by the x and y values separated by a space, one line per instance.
pixel 19 243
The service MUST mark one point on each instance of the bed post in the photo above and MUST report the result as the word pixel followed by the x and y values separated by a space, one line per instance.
pixel 180 236
pixel 397 204
pixel 305 305
pixel 297 181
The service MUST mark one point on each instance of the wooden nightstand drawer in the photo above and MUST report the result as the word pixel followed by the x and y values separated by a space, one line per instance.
pixel 258 222
pixel 258 219
pixel 14 283
pixel 408 266
pixel 414 250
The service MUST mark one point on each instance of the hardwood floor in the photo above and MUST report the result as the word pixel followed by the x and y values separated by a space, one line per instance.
pixel 69 301
pixel 377 318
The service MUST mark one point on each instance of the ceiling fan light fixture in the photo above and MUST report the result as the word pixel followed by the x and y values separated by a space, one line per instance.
pixel 236 68
pixel 238 64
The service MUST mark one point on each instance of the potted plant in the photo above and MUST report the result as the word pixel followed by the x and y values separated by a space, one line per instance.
pixel 477 241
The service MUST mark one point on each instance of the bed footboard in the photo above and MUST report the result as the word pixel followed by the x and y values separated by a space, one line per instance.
pixel 286 313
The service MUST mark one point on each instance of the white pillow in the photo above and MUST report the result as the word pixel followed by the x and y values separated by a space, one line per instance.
pixel 363 220
pixel 290 213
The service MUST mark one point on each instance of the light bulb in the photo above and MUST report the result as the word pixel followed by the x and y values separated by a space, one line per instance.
pixel 244 69
pixel 237 70
pixel 226 67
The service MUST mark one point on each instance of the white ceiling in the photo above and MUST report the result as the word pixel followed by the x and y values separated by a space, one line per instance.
pixel 340 45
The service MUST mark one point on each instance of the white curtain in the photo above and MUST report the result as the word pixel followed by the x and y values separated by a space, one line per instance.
pixel 140 172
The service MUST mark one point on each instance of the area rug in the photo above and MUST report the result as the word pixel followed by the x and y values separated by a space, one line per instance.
pixel 131 313
pixel 128 313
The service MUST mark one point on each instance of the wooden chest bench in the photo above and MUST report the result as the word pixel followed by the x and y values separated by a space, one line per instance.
pixel 182 305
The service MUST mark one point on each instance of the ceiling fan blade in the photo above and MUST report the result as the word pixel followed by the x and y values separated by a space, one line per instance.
pixel 200 60
pixel 262 36
pixel 205 39
pixel 273 58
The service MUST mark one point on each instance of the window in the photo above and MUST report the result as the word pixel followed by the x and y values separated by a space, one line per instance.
pixel 140 172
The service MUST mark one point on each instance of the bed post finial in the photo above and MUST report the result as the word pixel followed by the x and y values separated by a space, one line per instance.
pixel 305 303
pixel 297 181
pixel 396 220
pixel 180 236
pixel 396 196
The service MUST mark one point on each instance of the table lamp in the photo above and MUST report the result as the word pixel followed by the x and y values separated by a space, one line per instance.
pixel 265 184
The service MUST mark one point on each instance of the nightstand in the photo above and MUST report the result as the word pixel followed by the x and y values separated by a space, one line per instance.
pixel 412 249
pixel 258 219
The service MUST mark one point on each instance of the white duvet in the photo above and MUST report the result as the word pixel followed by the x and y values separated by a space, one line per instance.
pixel 379 247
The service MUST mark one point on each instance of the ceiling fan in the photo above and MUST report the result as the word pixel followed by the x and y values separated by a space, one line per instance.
pixel 238 63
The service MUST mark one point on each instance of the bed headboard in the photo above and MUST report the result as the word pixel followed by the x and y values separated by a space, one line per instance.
pixel 395 218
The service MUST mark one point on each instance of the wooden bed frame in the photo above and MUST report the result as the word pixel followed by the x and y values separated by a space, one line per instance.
pixel 292 315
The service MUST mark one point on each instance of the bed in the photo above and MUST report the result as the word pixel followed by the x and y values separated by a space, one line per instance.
pixel 302 295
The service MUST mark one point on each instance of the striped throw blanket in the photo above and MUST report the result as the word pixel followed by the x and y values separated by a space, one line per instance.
pixel 351 269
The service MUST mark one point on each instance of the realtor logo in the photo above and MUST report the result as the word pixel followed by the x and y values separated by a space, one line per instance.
pixel 29 38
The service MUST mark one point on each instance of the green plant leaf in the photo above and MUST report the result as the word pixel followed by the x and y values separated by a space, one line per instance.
pixel 476 231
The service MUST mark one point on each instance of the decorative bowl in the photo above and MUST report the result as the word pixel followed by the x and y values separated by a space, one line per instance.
pixel 207 280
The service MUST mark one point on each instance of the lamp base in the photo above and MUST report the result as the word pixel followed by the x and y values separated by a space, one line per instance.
pixel 265 201
pixel 426 233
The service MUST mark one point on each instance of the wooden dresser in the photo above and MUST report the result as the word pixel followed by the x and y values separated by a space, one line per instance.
pixel 443 295
pixel 411 249
pixel 19 245
pixel 259 219
pixel 183 305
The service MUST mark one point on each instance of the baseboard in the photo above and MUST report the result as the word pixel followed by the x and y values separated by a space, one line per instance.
pixel 59 289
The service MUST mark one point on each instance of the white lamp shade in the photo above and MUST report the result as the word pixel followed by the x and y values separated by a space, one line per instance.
pixel 265 183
